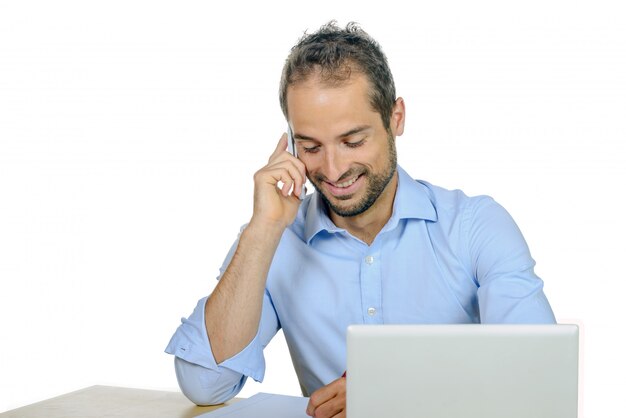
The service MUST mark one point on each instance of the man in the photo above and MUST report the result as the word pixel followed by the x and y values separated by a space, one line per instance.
pixel 371 245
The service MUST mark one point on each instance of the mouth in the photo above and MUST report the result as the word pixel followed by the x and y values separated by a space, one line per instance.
pixel 346 188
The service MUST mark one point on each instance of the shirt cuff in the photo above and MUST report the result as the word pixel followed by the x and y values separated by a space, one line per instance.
pixel 191 343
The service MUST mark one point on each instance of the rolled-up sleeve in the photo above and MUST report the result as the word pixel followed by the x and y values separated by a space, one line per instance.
pixel 200 378
pixel 509 290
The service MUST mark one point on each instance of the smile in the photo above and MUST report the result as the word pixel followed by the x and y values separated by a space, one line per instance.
pixel 345 189
pixel 346 183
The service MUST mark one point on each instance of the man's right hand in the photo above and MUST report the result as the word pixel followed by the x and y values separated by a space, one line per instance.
pixel 274 205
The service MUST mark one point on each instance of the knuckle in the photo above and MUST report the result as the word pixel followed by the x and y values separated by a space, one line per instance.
pixel 325 410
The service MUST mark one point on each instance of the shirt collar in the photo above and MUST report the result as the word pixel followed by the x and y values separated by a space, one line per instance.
pixel 412 201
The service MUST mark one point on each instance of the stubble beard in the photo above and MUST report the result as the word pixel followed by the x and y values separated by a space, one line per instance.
pixel 376 184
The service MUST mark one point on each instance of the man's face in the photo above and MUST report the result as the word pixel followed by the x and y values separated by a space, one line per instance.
pixel 350 157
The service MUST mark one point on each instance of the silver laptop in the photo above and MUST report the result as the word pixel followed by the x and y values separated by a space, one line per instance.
pixel 486 371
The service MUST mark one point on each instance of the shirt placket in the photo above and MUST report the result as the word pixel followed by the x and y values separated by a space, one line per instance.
pixel 371 287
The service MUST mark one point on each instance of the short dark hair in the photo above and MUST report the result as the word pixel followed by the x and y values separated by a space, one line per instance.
pixel 334 53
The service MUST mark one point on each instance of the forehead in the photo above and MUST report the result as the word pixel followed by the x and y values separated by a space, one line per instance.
pixel 314 101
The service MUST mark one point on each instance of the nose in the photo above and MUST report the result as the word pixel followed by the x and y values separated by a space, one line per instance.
pixel 334 165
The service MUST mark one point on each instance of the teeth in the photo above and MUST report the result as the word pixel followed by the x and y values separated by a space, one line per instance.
pixel 347 183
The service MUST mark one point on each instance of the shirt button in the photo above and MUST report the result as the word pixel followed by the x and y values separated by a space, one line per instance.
pixel 371 311
pixel 369 259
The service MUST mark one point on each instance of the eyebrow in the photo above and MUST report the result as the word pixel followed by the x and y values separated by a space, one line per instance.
pixel 351 132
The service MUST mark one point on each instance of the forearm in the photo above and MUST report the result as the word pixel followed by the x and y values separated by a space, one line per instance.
pixel 233 310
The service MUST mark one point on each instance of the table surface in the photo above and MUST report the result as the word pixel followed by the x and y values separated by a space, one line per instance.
pixel 113 402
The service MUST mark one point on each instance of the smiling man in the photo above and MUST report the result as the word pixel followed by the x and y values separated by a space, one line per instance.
pixel 349 155
pixel 370 246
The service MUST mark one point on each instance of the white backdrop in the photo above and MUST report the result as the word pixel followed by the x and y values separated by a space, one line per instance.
pixel 130 130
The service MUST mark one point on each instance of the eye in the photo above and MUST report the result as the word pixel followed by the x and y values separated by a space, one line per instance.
pixel 355 144
pixel 311 150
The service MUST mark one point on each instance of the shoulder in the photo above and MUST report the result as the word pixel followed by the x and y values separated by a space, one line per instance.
pixel 454 204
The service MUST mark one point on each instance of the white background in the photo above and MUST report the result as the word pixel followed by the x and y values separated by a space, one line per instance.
pixel 130 130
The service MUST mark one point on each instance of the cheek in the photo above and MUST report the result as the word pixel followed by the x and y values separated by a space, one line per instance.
pixel 311 163
pixel 376 157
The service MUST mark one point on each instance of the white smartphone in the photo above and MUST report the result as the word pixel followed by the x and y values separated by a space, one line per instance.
pixel 291 147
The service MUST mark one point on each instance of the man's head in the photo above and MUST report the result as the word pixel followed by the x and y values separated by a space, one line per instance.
pixel 334 54
pixel 345 119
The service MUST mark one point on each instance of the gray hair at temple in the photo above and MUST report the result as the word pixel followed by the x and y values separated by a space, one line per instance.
pixel 334 53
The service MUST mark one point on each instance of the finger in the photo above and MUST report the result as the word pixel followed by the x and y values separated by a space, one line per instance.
pixel 288 173
pixel 330 408
pixel 286 188
pixel 324 394
pixel 279 178
pixel 280 147
pixel 321 396
pixel 310 408
pixel 285 175
pixel 280 155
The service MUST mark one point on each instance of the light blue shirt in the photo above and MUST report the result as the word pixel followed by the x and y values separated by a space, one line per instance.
pixel 442 257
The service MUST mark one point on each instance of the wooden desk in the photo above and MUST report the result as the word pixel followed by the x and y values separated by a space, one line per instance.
pixel 113 402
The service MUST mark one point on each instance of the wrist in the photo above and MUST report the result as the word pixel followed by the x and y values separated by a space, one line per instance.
pixel 265 229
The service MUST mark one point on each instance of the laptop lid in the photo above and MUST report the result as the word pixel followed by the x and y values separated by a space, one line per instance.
pixel 486 371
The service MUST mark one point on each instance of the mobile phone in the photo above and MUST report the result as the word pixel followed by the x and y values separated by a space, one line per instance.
pixel 293 150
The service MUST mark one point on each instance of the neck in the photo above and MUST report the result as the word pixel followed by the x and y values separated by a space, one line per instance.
pixel 368 224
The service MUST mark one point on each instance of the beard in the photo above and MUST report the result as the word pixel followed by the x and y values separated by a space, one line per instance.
pixel 376 184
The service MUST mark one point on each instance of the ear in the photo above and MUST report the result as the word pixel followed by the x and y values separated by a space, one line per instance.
pixel 398 114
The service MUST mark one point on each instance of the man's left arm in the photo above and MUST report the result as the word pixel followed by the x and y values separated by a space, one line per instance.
pixel 509 290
